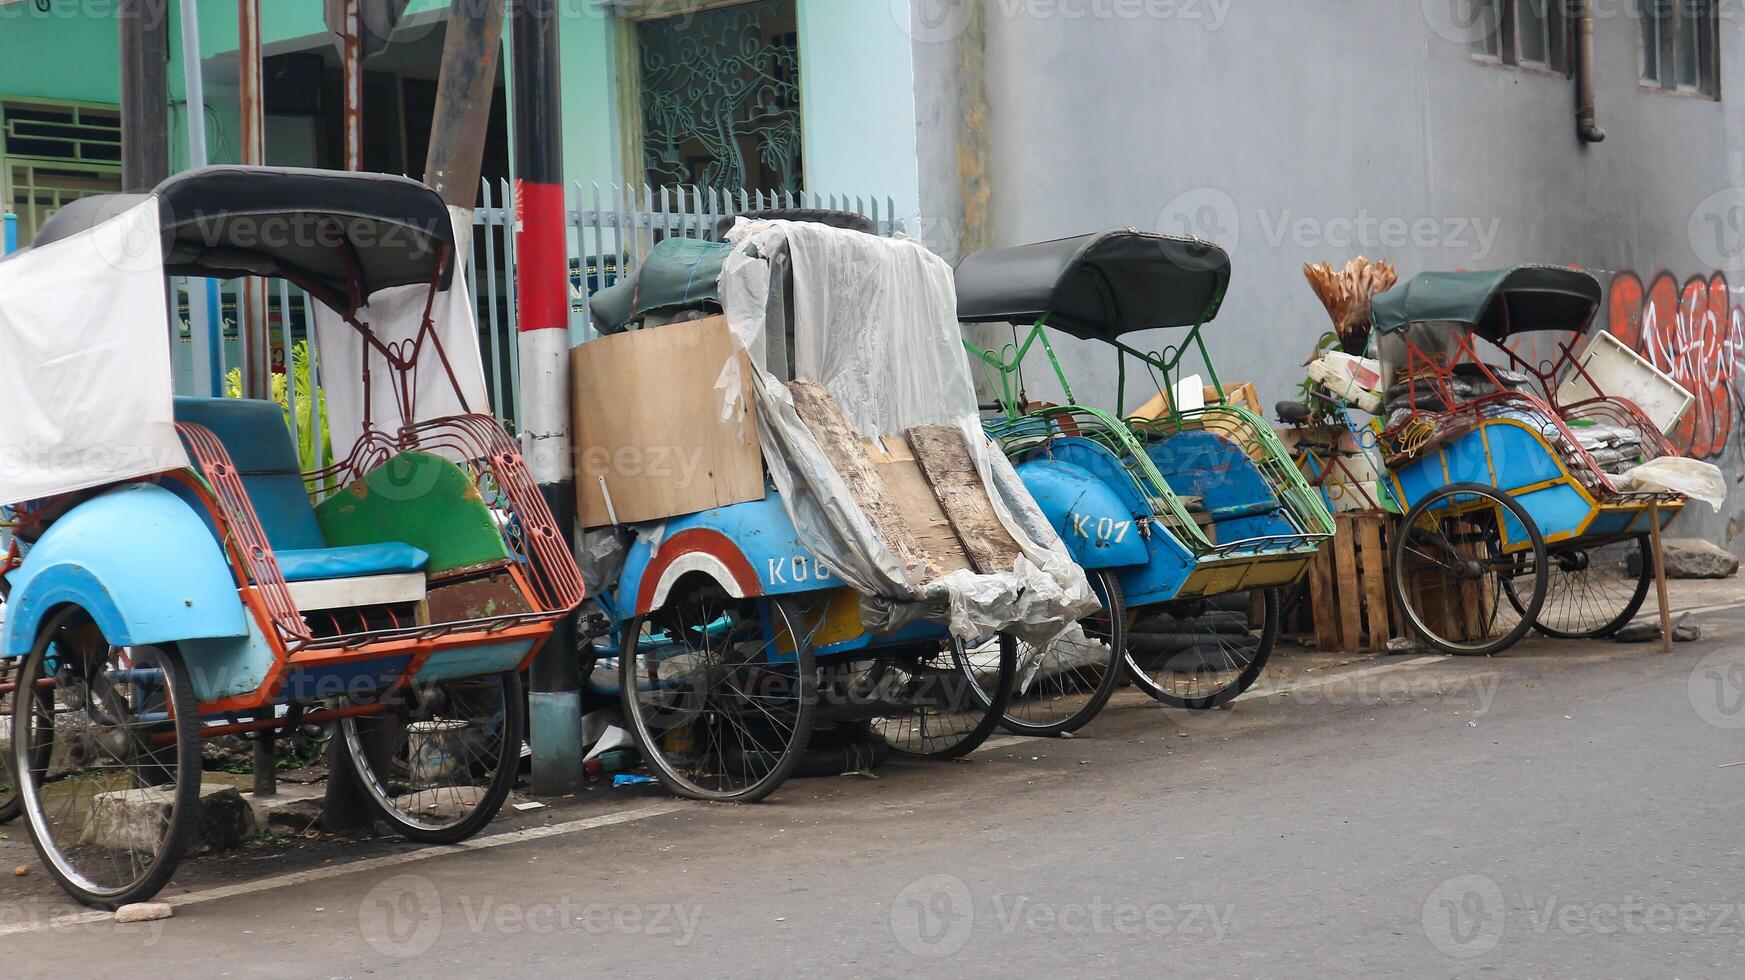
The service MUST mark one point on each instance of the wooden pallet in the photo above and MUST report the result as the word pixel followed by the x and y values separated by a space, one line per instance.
pixel 1353 610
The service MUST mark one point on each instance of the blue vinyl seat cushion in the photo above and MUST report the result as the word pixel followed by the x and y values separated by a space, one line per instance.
pixel 315 564
pixel 259 444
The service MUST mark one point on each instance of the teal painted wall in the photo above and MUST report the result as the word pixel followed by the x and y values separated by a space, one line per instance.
pixel 858 101
pixel 68 52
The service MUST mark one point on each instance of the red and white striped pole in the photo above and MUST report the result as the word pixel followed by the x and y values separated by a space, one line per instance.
pixel 543 293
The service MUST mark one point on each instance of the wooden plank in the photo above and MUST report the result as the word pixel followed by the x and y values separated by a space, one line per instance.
pixel 1324 599
pixel 1375 587
pixel 1350 596
pixel 846 452
pixel 647 419
pixel 957 483
pixel 921 510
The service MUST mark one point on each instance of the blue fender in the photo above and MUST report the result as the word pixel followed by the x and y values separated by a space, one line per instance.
pixel 1100 529
pixel 749 549
pixel 140 561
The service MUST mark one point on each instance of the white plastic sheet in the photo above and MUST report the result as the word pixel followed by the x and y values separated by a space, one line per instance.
pixel 85 382
pixel 875 323
pixel 1691 477
pixel 395 316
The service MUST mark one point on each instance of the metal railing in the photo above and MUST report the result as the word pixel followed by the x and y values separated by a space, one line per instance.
pixel 611 227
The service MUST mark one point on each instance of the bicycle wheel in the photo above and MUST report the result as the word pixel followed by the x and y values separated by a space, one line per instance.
pixel 1064 685
pixel 1587 597
pixel 720 693
pixel 111 814
pixel 1460 590
pixel 1204 653
pixel 939 700
pixel 438 764
pixel 9 805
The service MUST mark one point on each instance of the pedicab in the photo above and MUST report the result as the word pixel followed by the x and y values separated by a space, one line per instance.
pixel 1196 516
pixel 742 650
pixel 1521 508
pixel 179 578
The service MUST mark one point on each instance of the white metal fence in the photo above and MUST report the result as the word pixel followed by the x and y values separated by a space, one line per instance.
pixel 611 228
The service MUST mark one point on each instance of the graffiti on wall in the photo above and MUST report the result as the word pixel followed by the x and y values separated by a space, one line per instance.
pixel 1695 333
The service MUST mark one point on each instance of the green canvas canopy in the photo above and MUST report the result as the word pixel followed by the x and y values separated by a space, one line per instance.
pixel 1497 303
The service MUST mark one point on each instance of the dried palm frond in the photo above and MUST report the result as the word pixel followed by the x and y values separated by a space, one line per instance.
pixel 1347 294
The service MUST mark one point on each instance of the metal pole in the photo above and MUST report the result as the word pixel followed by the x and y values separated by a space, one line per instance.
pixel 208 373
pixel 543 294
pixel 252 310
pixel 145 93
pixel 351 68
pixel 463 110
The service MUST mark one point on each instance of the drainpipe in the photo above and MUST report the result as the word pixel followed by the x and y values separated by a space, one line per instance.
pixel 462 120
pixel 1587 128
pixel 543 271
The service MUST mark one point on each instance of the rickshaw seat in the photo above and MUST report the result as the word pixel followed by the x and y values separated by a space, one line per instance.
pixel 254 434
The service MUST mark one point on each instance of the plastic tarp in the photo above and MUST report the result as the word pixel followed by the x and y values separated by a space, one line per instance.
pixel 1691 477
pixel 85 382
pixel 875 323
pixel 396 315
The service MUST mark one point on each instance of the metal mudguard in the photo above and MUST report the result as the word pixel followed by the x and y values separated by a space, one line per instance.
pixel 1099 528
pixel 140 561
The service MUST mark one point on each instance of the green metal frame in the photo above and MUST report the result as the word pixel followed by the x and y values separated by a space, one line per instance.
pixel 1127 438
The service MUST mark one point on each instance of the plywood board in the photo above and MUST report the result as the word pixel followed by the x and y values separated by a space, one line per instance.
pixel 850 457
pixel 922 512
pixel 957 483
pixel 647 422
pixel 1375 586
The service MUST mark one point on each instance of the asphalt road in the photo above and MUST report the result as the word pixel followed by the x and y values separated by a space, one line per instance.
pixel 1570 810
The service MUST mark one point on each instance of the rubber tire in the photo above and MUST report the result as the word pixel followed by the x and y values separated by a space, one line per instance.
pixel 185 807
pixel 806 669
pixel 1235 689
pixel 1644 582
pixel 1395 563
pixel 996 706
pixel 502 780
pixel 1115 602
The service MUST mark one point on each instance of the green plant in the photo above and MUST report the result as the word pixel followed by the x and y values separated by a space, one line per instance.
pixel 314 442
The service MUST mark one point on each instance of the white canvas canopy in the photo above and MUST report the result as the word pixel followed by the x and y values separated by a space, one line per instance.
pixel 85 378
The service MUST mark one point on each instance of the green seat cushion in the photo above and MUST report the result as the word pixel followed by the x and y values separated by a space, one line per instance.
pixel 420 499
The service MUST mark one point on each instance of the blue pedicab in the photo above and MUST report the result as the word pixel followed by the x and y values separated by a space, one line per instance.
pixel 1188 523
pixel 1515 518
pixel 203 590
pixel 741 660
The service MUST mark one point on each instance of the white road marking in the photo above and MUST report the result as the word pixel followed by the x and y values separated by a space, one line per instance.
pixel 369 864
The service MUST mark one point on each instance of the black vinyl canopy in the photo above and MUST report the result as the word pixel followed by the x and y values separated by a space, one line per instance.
pixel 1096 287
pixel 327 231
pixel 1496 303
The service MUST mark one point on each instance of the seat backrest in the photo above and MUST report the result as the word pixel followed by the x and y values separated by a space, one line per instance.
pixel 255 435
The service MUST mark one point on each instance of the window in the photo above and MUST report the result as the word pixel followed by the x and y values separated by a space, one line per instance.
pixel 1524 33
pixel 52 153
pixel 1681 46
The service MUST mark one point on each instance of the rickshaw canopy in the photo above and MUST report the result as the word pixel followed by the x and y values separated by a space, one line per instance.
pixel 340 236
pixel 1096 287
pixel 1496 304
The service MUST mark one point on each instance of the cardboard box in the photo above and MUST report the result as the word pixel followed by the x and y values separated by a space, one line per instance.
pixel 650 439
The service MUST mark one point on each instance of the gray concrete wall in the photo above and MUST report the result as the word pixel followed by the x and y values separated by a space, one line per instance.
pixel 1295 132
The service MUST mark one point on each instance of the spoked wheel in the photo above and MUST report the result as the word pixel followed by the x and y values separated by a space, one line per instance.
pixel 721 694
pixel 1457 585
pixel 9 805
pixel 105 742
pixel 437 765
pixel 940 700
pixel 1588 594
pixel 1061 687
pixel 1201 654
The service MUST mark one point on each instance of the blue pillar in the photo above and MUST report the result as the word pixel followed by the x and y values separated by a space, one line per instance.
pixel 10 244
